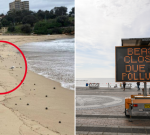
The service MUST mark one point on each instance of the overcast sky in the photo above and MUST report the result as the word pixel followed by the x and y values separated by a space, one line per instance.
pixel 35 5
pixel 100 26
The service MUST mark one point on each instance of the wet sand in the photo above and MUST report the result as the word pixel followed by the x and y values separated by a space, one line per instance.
pixel 40 105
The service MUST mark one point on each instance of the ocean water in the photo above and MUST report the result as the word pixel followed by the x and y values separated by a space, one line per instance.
pixel 81 82
pixel 52 59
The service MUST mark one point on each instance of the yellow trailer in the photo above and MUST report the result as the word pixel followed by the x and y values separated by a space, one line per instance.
pixel 137 104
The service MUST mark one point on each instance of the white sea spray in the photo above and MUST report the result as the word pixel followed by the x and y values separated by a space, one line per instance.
pixel 52 59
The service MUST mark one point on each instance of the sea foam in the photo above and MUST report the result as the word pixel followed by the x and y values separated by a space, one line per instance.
pixel 52 59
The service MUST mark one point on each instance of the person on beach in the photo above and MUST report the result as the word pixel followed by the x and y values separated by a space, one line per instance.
pixel 138 85
pixel 124 85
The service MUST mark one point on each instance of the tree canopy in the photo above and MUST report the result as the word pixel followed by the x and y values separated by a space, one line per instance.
pixel 40 22
pixel 59 11
pixel 29 19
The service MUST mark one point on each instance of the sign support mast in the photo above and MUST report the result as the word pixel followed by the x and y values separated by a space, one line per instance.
pixel 145 89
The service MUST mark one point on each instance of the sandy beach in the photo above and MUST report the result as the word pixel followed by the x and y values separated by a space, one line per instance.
pixel 40 106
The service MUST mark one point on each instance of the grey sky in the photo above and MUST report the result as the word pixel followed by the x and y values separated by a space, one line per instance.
pixel 100 26
pixel 35 5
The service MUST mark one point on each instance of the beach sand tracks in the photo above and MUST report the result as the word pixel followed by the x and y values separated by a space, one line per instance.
pixel 33 125
pixel 6 80
pixel 22 125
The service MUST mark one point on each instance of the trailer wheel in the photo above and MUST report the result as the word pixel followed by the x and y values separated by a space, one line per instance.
pixel 126 113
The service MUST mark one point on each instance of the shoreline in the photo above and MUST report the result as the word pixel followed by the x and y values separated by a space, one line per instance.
pixel 52 80
pixel 63 84
pixel 28 103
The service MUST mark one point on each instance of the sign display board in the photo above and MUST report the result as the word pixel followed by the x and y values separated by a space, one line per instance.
pixel 132 64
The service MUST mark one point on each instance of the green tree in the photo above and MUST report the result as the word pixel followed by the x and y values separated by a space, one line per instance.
pixel 48 27
pixel 47 15
pixel 72 12
pixel 9 18
pixel 40 28
pixel 4 22
pixel 26 13
pixel 59 11
pixel 56 31
pixel 30 19
pixel 1 14
pixel 11 28
pixel 18 13
pixel 26 28
pixel 52 15
pixel 63 20
pixel 0 25
pixel 68 30
pixel 41 14
pixel 18 19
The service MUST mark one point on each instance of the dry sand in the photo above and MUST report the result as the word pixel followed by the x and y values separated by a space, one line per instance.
pixel 23 112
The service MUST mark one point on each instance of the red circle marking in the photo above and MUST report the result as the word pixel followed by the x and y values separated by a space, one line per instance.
pixel 25 68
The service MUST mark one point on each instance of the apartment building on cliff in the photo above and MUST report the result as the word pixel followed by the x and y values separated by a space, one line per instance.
pixel 19 5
